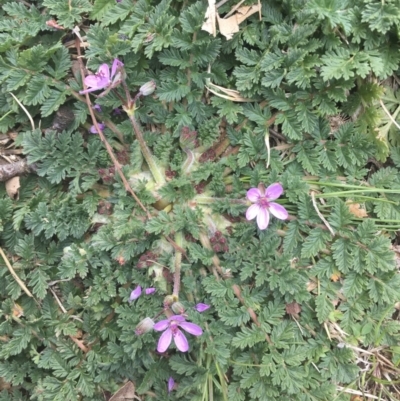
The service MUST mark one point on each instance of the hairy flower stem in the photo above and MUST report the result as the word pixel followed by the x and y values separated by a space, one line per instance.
pixel 207 200
pixel 253 316
pixel 154 168
pixel 104 140
pixel 178 263
pixel 216 268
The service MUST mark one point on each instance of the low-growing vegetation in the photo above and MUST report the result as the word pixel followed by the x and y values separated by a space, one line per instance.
pixel 199 201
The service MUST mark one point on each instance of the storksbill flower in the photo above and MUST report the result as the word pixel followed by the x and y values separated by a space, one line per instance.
pixel 102 79
pixel 262 205
pixel 171 330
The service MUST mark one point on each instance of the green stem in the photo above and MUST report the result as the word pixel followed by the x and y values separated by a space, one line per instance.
pixel 178 263
pixel 206 200
pixel 5 115
pixel 358 197
pixel 153 166
pixel 359 187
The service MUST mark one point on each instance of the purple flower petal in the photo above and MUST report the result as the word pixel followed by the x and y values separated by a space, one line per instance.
pixel 191 328
pixel 252 211
pixel 92 81
pixel 262 218
pixel 274 191
pixel 115 65
pixel 83 92
pixel 181 341
pixel 104 73
pixel 97 107
pixel 202 307
pixel 136 293
pixel 253 194
pixel 177 318
pixel 164 341
pixel 149 291
pixel 93 129
pixel 278 211
pixel 161 325
pixel 171 384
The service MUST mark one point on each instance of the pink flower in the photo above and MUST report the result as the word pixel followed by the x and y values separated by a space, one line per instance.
pixel 202 307
pixel 171 327
pixel 171 384
pixel 262 205
pixel 149 291
pixel 136 293
pixel 102 79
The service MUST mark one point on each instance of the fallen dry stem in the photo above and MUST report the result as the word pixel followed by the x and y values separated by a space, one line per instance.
pixel 12 271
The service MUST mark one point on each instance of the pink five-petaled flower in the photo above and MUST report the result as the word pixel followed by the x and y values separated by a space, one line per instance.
pixel 171 327
pixel 102 79
pixel 262 205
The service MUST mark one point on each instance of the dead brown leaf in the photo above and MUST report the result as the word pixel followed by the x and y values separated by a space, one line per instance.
pixel 311 286
pixel 17 310
pixel 356 210
pixel 126 392
pixel 229 24
pixel 12 187
pixel 293 308
pixel 335 276
pixel 209 24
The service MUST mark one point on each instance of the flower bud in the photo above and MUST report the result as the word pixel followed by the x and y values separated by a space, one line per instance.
pixel 171 384
pixel 178 308
pixel 144 326
pixel 202 307
pixel 168 301
pixel 188 139
pixel 148 88
pixel 136 293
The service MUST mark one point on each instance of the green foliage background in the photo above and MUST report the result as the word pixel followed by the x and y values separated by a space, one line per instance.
pixel 303 65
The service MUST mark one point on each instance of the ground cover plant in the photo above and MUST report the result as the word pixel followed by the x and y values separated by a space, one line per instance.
pixel 201 215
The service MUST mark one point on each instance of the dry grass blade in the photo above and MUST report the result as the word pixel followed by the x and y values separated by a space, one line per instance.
pixel 25 110
pixel 229 94
pixel 356 392
pixel 320 214
pixel 12 271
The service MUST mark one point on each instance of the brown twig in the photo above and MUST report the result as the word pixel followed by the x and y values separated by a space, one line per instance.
pixel 253 316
